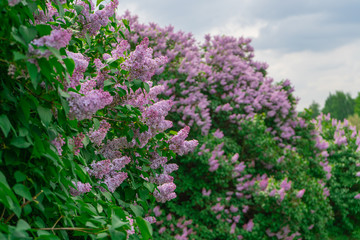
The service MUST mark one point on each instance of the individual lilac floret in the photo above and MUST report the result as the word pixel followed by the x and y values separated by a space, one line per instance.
pixel 178 143
pixel 80 188
pixel 165 192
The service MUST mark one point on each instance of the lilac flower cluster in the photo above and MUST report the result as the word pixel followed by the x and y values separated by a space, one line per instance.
pixel 41 17
pixel 91 21
pixel 178 144
pixel 165 192
pixel 92 100
pixel 13 2
pixel 141 64
pixel 341 136
pixel 57 39
pixel 58 142
pixel 80 188
pixel 77 142
pixel 98 135
pixel 81 64
pixel 107 171
pixel 182 225
pixel 230 71
pixel 283 233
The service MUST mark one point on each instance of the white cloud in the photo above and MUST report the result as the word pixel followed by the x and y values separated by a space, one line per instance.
pixel 316 74
pixel 235 27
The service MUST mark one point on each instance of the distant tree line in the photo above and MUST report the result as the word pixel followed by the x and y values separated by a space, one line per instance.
pixel 340 106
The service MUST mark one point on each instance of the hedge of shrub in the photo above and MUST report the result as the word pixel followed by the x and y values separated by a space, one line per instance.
pixel 95 112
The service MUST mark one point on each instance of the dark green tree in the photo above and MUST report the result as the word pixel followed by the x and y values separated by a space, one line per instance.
pixel 357 104
pixel 339 105
pixel 315 109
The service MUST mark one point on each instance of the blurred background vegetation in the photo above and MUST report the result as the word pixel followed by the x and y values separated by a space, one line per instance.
pixel 340 106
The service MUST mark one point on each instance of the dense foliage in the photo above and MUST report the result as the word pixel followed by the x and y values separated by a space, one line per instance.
pixel 84 140
pixel 88 99
pixel 340 105
pixel 261 171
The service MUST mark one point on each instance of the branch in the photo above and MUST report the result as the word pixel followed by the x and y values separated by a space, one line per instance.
pixel 2 215
pixel 53 227
pixel 23 205
pixel 85 230
pixel 105 118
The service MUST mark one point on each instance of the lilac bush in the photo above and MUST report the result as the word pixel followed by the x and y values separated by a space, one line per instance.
pixel 91 138
pixel 257 172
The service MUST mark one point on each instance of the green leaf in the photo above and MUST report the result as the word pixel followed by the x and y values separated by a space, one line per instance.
pixel 45 115
pixel 45 68
pixel 138 210
pixel 22 225
pixel 70 65
pixel 96 123
pixel 130 135
pixel 108 82
pixel 145 228
pixel 146 87
pixel 149 186
pixel 17 37
pixel 117 235
pixel 18 56
pixel 20 142
pixel 27 33
pixel 25 107
pixel 99 208
pixel 98 2
pixel 63 94
pixel 55 52
pixel 33 72
pixel 78 8
pixel 23 191
pixel 43 29
pixel 61 9
pixel 126 24
pixel 136 84
pixel 88 40
pixel 7 197
pixel 116 222
pixel 19 176
pixel 5 124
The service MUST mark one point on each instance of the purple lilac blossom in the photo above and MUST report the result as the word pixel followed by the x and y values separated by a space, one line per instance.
pixel 58 142
pixel 80 188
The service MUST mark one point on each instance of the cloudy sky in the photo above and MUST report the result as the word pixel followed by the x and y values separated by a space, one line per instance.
pixel 313 43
